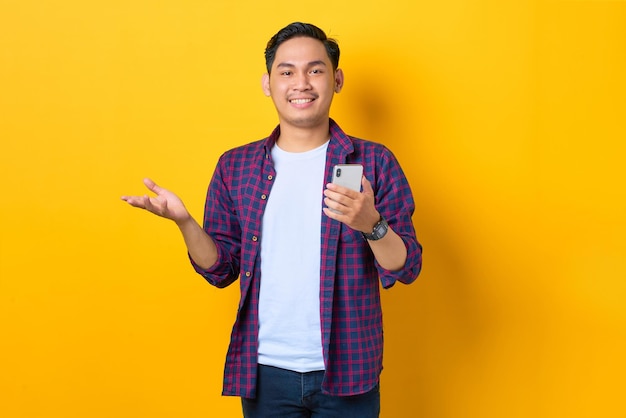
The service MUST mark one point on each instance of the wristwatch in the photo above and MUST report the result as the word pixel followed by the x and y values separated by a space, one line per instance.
pixel 379 231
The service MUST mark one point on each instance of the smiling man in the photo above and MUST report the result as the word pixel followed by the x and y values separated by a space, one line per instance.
pixel 302 81
pixel 310 255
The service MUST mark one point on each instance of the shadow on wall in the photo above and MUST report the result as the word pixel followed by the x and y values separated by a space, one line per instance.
pixel 431 327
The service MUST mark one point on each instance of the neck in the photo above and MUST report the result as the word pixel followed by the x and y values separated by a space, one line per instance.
pixel 302 139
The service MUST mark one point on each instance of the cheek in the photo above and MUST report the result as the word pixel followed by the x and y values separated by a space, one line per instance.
pixel 329 87
pixel 277 88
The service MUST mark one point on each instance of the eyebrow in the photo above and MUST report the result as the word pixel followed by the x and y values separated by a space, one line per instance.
pixel 310 64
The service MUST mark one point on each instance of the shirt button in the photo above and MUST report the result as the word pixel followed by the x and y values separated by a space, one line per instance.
pixel 248 274
pixel 255 238
pixel 270 177
pixel 263 196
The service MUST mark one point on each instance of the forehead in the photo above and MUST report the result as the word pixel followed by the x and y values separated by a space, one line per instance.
pixel 301 50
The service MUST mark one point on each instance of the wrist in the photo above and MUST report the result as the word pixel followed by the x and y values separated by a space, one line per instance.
pixel 185 221
pixel 378 231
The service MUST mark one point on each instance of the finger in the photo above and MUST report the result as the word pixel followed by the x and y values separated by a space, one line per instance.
pixel 367 186
pixel 339 208
pixel 334 190
pixel 152 185
pixel 329 212
pixel 134 201
pixel 331 204
pixel 147 203
pixel 336 197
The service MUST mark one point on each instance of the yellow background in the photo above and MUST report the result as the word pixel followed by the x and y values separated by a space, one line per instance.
pixel 508 118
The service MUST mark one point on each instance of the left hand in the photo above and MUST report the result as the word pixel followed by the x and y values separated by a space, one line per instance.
pixel 357 208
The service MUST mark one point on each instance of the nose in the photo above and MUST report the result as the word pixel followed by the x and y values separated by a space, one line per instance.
pixel 301 82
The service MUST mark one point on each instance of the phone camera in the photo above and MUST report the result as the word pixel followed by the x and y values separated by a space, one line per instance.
pixel 338 172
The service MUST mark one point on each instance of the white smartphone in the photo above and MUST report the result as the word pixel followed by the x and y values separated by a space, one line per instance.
pixel 348 175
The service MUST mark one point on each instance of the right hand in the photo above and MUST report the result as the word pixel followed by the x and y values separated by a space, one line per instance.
pixel 165 204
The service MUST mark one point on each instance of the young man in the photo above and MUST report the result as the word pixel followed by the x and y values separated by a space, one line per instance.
pixel 309 254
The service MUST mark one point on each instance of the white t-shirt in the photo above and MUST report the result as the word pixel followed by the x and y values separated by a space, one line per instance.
pixel 289 304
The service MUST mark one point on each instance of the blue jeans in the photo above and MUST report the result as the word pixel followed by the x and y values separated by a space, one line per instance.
pixel 287 394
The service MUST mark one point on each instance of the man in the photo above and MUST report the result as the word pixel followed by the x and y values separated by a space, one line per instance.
pixel 308 336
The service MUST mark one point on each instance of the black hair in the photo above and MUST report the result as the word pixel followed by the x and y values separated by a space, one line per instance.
pixel 299 29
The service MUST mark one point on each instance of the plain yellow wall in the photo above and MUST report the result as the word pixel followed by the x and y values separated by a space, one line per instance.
pixel 508 118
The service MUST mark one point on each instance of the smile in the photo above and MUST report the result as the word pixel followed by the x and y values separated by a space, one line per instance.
pixel 300 101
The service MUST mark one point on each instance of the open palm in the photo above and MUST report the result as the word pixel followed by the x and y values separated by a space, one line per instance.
pixel 165 204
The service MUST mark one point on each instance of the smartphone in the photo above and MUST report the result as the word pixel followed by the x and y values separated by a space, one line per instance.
pixel 348 175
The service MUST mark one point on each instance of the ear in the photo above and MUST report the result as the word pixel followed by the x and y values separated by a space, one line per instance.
pixel 265 84
pixel 338 80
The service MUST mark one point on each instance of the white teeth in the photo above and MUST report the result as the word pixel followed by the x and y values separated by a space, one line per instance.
pixel 300 101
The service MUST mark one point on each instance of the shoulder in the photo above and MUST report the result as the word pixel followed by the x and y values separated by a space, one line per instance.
pixel 244 153
pixel 242 150
pixel 367 144
pixel 353 144
pixel 371 151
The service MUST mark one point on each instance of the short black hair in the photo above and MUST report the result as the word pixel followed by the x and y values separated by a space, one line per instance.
pixel 299 29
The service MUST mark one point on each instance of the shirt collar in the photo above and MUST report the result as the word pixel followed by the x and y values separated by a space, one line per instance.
pixel 338 138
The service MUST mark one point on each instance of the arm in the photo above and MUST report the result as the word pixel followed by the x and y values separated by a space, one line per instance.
pixel 166 204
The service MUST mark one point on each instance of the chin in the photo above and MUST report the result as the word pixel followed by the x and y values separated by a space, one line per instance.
pixel 310 122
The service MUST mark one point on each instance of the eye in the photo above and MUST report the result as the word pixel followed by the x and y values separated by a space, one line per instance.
pixel 286 73
pixel 316 71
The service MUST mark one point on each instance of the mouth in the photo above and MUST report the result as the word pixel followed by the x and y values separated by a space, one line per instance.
pixel 298 101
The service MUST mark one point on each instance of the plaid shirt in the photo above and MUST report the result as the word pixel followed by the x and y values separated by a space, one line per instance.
pixel 350 309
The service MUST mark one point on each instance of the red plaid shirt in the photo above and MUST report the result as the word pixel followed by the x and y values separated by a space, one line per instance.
pixel 350 309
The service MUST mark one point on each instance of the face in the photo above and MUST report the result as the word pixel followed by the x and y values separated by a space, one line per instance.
pixel 302 83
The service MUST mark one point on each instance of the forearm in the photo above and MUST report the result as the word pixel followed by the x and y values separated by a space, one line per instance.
pixel 389 251
pixel 199 244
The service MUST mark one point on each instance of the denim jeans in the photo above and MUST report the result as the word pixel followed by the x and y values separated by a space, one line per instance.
pixel 287 394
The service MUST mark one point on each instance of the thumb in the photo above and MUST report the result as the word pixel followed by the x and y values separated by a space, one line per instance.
pixel 152 186
pixel 367 186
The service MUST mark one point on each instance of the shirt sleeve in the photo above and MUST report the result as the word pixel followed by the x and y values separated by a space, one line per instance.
pixel 222 225
pixel 394 201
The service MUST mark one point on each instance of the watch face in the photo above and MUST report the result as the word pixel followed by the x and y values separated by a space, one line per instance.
pixel 380 229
